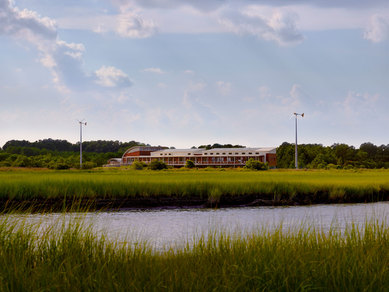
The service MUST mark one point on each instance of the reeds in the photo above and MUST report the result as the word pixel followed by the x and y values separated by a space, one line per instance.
pixel 70 257
pixel 291 186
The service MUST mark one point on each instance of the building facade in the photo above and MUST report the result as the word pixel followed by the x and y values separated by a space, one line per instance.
pixel 222 157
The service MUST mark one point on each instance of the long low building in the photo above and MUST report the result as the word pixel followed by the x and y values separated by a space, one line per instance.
pixel 224 157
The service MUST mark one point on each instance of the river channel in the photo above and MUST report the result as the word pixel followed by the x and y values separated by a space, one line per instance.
pixel 165 228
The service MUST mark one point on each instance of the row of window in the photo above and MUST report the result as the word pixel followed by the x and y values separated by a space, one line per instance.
pixel 197 159
pixel 236 153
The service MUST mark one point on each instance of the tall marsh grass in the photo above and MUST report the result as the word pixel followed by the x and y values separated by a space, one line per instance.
pixel 70 257
pixel 311 186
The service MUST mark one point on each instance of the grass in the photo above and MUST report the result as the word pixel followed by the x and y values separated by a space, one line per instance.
pixel 70 257
pixel 113 184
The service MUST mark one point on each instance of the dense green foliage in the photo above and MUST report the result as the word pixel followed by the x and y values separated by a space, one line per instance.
pixel 157 165
pixel 138 165
pixel 336 156
pixel 217 145
pixel 189 164
pixel 256 165
pixel 32 148
pixel 73 258
pixel 60 154
pixel 118 183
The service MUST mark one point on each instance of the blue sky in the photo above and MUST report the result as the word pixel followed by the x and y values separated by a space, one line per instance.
pixel 184 73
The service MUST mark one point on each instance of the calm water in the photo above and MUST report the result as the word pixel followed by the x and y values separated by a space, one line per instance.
pixel 174 227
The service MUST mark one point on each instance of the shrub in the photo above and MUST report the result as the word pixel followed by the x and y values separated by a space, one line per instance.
pixel 61 165
pixel 256 165
pixel 88 165
pixel 157 165
pixel 189 164
pixel 138 165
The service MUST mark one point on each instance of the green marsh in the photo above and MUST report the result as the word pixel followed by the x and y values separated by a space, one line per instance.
pixel 70 257
pixel 214 186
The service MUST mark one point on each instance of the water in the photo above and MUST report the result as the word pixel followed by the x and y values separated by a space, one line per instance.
pixel 175 227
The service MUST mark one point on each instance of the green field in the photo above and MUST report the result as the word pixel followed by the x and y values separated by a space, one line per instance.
pixel 209 185
pixel 72 258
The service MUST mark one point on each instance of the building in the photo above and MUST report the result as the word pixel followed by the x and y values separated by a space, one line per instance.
pixel 224 157
pixel 113 162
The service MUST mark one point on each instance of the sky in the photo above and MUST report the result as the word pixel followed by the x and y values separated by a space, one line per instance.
pixel 184 73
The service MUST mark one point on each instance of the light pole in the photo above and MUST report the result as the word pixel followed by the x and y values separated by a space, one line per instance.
pixel 81 123
pixel 295 146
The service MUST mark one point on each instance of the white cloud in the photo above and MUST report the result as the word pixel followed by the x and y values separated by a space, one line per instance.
pixel 357 103
pixel 264 92
pixel 295 91
pixel 25 24
pixel 197 86
pixel 224 87
pixel 154 70
pixel 299 97
pixel 377 30
pixel 63 59
pixel 112 77
pixel 279 27
pixel 132 25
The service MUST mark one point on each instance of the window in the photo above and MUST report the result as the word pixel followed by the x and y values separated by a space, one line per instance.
pixel 230 153
pixel 188 153
pixel 223 153
pixel 257 153
pixel 243 153
pixel 250 153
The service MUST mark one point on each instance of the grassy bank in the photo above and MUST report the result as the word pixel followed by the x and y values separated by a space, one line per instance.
pixel 190 187
pixel 72 258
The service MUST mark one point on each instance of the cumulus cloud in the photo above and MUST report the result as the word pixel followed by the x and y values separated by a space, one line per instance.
pixel 112 77
pixel 132 25
pixel 154 70
pixel 279 27
pixel 377 30
pixel 63 59
pixel 25 24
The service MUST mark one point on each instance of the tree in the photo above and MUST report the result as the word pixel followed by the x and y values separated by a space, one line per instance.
pixel 138 165
pixel 256 165
pixel 157 165
pixel 189 164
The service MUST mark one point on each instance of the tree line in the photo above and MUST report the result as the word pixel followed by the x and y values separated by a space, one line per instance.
pixel 336 156
pixel 61 154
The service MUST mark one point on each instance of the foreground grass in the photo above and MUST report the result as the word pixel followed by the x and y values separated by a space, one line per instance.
pixel 70 257
pixel 299 186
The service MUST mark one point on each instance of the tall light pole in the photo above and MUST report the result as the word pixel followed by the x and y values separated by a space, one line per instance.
pixel 295 146
pixel 81 123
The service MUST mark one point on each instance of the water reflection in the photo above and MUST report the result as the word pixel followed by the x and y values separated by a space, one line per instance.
pixel 175 227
